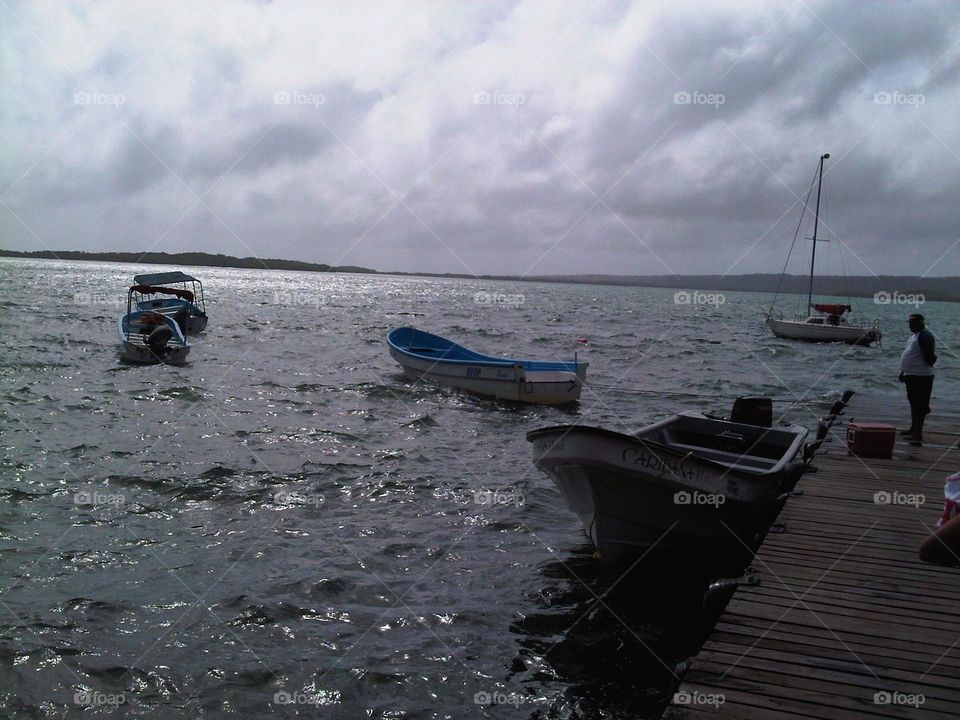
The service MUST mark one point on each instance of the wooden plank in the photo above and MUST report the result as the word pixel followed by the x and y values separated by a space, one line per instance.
pixel 847 604
pixel 851 672
pixel 805 703
pixel 844 607
pixel 730 712
pixel 841 624
pixel 799 579
pixel 831 649
pixel 752 625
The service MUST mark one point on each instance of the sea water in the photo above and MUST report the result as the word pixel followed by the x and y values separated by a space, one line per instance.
pixel 286 526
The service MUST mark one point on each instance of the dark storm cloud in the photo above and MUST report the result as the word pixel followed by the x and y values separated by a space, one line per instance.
pixel 259 148
pixel 524 136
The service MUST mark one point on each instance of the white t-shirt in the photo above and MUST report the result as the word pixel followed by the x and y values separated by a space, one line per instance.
pixel 911 360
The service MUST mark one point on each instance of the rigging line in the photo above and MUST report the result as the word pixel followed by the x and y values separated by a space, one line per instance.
pixel 841 250
pixel 806 204
pixel 846 278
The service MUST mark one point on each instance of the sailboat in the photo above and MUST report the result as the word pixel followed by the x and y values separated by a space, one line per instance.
pixel 826 322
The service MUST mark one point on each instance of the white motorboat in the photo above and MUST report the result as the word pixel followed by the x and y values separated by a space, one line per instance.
pixel 150 337
pixel 682 483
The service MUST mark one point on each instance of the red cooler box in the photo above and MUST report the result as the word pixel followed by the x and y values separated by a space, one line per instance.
pixel 871 439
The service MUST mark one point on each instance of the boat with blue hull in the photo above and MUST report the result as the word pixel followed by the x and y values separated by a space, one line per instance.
pixel 541 382
pixel 184 302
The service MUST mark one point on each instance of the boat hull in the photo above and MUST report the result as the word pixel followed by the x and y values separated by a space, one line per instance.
pixel 799 330
pixel 634 495
pixel 423 355
pixel 134 347
pixel 504 382
pixel 144 355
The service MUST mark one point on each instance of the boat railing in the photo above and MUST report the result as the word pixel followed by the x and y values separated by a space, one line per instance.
pixel 865 324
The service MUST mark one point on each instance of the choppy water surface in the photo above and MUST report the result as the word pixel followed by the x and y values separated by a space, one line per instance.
pixel 285 526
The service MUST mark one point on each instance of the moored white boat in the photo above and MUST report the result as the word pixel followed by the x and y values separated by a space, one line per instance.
pixel 185 305
pixel 424 355
pixel 826 322
pixel 682 483
pixel 828 326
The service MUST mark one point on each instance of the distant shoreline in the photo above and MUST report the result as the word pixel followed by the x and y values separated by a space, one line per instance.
pixel 943 289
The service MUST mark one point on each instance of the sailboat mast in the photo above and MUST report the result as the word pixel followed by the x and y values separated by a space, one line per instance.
pixel 816 220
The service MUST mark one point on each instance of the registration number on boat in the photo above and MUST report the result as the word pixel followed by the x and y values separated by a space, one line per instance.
pixel 661 465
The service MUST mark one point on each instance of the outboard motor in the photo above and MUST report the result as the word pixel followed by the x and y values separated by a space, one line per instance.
pixel 158 338
pixel 752 411
pixel 181 319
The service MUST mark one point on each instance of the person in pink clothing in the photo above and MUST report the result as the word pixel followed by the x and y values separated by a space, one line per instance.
pixel 943 545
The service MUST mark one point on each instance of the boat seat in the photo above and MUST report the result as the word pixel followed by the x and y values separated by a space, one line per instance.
pixel 725 456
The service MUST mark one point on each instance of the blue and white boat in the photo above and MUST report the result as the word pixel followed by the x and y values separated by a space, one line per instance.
pixel 424 355
pixel 184 302
pixel 150 337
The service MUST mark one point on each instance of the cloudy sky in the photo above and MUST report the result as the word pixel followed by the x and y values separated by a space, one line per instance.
pixel 486 137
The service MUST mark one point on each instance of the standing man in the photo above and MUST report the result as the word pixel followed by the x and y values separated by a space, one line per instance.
pixel 916 372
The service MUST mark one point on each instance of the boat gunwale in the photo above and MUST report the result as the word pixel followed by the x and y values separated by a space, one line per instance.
pixel 572 366
pixel 786 458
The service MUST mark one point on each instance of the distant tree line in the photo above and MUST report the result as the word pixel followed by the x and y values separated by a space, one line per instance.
pixel 197 259
pixel 932 288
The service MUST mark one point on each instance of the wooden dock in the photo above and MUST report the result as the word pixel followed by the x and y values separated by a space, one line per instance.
pixel 846 621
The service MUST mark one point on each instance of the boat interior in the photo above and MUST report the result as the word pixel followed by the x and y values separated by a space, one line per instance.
pixel 746 447
pixel 423 344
